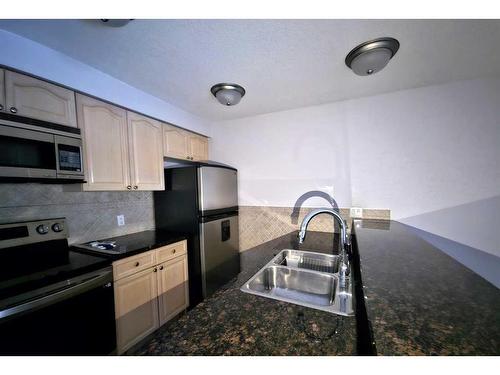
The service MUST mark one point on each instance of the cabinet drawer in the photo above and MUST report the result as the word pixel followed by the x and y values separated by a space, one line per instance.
pixel 133 264
pixel 171 251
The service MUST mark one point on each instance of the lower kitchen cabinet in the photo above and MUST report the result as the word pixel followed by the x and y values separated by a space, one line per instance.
pixel 148 298
pixel 136 308
pixel 173 293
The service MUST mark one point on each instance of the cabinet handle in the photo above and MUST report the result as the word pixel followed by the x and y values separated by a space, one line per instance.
pixel 1 107
pixel 161 267
pixel 129 187
pixel 154 270
pixel 173 251
pixel 137 264
pixel 135 187
pixel 13 109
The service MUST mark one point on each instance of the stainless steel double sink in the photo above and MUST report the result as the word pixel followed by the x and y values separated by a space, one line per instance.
pixel 304 278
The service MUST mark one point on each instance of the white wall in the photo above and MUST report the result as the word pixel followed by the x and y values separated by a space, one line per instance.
pixel 282 155
pixel 425 149
pixel 474 224
pixel 31 57
pixel 432 155
pixel 413 151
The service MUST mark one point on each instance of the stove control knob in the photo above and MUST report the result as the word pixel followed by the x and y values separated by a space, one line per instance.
pixel 42 229
pixel 57 227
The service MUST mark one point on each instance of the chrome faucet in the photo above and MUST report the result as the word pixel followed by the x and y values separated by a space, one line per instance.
pixel 344 239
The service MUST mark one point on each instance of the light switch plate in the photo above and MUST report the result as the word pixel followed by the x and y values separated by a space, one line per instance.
pixel 356 212
pixel 121 220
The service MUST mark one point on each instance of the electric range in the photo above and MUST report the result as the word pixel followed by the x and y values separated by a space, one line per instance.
pixel 52 300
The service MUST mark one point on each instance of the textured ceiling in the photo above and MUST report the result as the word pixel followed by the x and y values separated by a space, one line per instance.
pixel 282 64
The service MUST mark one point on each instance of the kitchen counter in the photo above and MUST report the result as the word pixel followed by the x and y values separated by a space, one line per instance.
pixel 420 301
pixel 235 323
pixel 139 242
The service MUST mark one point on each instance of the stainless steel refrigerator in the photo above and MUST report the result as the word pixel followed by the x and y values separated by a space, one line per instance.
pixel 201 202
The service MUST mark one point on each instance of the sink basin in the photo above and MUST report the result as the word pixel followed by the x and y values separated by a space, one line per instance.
pixel 308 260
pixel 304 278
pixel 293 285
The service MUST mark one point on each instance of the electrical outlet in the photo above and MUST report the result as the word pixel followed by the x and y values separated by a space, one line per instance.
pixel 356 212
pixel 121 220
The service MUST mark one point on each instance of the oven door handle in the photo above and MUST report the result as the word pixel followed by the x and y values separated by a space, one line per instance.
pixel 59 292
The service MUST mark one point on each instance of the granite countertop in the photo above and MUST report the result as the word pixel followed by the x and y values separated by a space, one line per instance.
pixel 420 301
pixel 139 242
pixel 235 323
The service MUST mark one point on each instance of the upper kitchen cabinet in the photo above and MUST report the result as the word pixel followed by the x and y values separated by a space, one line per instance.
pixel 181 144
pixel 123 150
pixel 146 152
pixel 105 144
pixel 175 142
pixel 40 100
pixel 2 90
pixel 198 147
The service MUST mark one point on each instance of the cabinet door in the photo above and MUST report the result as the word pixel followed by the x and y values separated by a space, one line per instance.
pixel 175 142
pixel 2 91
pixel 33 98
pixel 136 308
pixel 198 147
pixel 173 291
pixel 105 145
pixel 146 152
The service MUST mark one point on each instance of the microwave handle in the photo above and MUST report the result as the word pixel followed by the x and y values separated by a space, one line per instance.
pixel 9 131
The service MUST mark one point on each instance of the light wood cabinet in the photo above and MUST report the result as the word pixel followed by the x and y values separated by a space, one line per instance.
pixel 181 144
pixel 146 152
pixel 147 298
pixel 2 91
pixel 130 265
pixel 171 251
pixel 37 99
pixel 105 144
pixel 173 293
pixel 175 142
pixel 136 308
pixel 198 147
pixel 122 150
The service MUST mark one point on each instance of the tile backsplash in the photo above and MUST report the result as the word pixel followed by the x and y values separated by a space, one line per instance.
pixel 258 224
pixel 89 215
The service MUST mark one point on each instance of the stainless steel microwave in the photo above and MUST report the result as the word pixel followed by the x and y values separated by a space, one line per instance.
pixel 40 151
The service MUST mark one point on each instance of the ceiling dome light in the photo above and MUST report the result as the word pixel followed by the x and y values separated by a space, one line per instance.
pixel 228 94
pixel 115 22
pixel 372 56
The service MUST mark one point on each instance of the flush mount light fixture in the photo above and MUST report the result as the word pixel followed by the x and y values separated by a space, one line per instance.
pixel 115 22
pixel 228 94
pixel 372 56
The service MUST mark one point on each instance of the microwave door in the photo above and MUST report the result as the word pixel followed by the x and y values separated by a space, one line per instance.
pixel 26 153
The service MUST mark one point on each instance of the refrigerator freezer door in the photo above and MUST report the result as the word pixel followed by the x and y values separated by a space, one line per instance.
pixel 220 258
pixel 218 189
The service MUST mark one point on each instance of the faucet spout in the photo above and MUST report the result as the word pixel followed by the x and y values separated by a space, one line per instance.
pixel 344 238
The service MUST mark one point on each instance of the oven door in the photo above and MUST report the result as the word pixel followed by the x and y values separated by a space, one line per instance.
pixel 74 317
pixel 26 153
